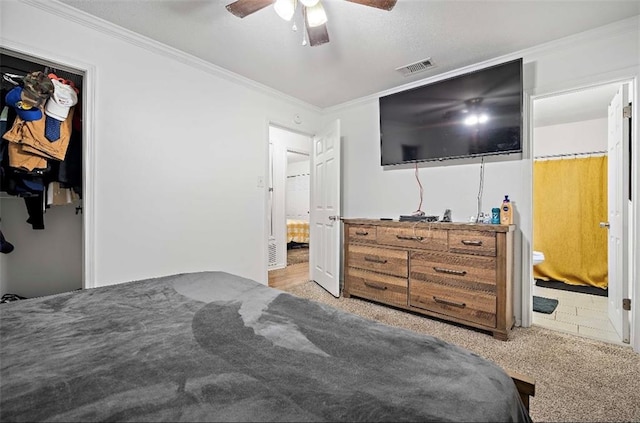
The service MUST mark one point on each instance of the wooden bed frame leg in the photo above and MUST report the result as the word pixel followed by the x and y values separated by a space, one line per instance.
pixel 526 386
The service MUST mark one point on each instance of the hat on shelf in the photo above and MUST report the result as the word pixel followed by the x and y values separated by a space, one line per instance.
pixel 63 98
pixel 37 88
pixel 25 111
pixel 64 81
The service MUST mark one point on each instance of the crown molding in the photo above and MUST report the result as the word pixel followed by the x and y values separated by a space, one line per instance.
pixel 626 26
pixel 69 13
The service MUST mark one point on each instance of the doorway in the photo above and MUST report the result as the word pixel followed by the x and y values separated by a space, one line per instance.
pixel 288 206
pixel 297 205
pixel 51 230
pixel 325 236
pixel 570 132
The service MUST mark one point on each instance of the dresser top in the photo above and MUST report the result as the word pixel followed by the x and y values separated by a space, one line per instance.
pixel 487 227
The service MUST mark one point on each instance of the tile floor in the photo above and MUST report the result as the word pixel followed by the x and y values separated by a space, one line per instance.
pixel 580 314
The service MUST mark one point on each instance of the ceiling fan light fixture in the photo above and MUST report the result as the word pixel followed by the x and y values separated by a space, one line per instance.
pixel 475 119
pixel 316 15
pixel 285 8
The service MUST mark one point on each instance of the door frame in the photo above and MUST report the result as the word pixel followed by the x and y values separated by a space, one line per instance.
pixel 88 72
pixel 618 129
pixel 277 124
pixel 633 236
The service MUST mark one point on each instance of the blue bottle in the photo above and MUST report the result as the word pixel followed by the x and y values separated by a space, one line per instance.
pixel 495 215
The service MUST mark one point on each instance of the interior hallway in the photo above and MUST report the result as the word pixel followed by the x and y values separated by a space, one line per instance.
pixel 289 276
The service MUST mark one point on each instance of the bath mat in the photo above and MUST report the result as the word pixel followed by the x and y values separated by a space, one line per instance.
pixel 544 305
pixel 584 289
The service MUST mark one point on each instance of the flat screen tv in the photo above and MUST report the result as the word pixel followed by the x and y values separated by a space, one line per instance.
pixel 475 114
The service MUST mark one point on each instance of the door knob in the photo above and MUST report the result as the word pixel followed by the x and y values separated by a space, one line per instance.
pixel 334 218
pixel 604 225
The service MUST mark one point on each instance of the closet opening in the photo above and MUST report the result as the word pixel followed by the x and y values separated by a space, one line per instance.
pixel 42 176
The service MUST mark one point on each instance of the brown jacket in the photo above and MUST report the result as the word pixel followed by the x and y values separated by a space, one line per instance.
pixel 29 135
pixel 20 159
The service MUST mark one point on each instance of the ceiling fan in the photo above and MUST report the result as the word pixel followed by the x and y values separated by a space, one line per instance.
pixel 315 19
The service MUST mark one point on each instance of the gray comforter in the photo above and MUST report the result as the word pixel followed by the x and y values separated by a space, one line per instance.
pixel 212 346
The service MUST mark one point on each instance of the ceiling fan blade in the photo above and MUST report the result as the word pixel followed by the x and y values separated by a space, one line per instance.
pixel 242 8
pixel 317 35
pixel 380 4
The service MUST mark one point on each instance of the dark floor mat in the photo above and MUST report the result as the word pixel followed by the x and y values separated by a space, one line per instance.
pixel 544 305
pixel 584 289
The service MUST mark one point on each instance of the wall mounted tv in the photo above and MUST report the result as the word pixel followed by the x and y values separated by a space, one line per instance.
pixel 475 114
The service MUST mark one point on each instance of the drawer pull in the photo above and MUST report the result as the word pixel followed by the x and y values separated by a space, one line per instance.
pixel 375 286
pixel 410 238
pixel 363 233
pixel 476 243
pixel 374 260
pixel 447 302
pixel 450 271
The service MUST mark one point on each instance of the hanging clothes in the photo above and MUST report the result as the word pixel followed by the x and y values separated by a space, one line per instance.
pixel 41 140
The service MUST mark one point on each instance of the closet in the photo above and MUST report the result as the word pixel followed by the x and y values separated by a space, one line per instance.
pixel 41 214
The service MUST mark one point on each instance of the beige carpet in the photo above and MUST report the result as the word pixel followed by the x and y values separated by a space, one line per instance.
pixel 577 379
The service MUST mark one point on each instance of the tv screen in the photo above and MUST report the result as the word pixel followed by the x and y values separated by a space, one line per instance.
pixel 475 114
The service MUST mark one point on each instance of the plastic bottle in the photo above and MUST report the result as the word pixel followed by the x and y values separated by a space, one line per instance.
pixel 506 212
pixel 495 215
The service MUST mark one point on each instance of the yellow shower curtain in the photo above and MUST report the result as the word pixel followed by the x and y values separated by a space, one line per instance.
pixel 569 202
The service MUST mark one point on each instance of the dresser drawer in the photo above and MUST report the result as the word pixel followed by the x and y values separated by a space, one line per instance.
pixel 383 260
pixel 377 287
pixel 413 237
pixel 472 242
pixel 473 306
pixel 362 233
pixel 469 272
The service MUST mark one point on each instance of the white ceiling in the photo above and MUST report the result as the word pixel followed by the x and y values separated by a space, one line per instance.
pixel 366 44
pixel 586 104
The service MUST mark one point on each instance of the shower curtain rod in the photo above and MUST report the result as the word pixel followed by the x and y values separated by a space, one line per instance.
pixel 589 153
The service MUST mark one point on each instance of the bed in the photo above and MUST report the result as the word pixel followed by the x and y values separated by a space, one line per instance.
pixel 212 346
pixel 297 231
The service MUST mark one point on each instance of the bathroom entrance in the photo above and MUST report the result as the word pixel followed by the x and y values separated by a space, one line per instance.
pixel 574 187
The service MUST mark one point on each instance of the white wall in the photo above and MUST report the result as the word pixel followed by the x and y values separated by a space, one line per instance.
pixel 370 191
pixel 43 262
pixel 168 132
pixel 570 138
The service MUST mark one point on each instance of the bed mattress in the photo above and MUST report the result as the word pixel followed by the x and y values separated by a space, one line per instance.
pixel 212 346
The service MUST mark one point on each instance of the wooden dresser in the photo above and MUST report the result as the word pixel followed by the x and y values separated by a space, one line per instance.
pixel 460 272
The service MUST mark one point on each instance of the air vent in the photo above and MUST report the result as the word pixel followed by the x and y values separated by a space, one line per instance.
pixel 273 259
pixel 416 67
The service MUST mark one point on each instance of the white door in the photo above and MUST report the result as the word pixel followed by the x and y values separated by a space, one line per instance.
pixel 324 220
pixel 618 188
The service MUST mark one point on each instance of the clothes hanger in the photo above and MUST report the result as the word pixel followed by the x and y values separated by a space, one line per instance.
pixel 12 78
